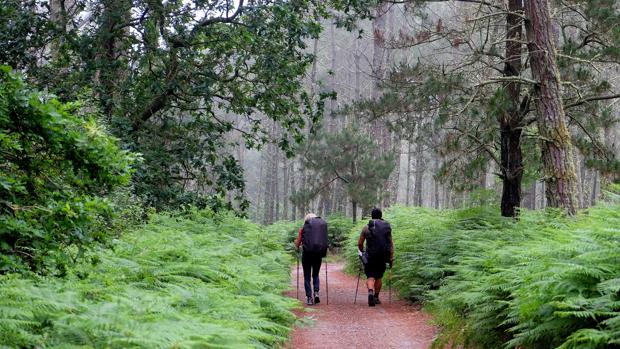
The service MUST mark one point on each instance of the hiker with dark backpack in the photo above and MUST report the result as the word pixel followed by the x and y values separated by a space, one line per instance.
pixel 313 238
pixel 379 252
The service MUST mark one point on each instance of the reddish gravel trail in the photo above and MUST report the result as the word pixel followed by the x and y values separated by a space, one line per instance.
pixel 342 324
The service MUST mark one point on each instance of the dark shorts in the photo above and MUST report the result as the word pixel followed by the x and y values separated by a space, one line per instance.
pixel 375 268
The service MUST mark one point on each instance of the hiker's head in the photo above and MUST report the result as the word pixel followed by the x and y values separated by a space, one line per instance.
pixel 309 216
pixel 376 213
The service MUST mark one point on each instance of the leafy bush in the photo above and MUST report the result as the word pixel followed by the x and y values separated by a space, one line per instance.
pixel 339 228
pixel 54 169
pixel 545 281
pixel 198 280
pixel 286 233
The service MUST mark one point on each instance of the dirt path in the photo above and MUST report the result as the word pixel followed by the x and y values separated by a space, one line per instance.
pixel 342 324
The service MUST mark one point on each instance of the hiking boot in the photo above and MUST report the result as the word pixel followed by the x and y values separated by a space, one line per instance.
pixel 309 301
pixel 371 300
pixel 377 301
pixel 317 300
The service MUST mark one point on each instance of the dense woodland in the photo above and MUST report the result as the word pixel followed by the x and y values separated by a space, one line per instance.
pixel 445 93
pixel 157 157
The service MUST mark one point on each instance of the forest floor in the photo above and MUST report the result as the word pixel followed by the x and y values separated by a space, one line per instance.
pixel 342 324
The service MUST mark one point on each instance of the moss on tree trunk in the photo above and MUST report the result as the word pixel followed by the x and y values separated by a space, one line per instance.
pixel 558 167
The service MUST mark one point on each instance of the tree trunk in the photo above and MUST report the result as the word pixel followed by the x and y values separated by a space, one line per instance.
pixel 285 188
pixel 354 211
pixel 436 182
pixel 276 191
pixel 543 201
pixel 108 77
pixel 558 167
pixel 511 120
pixel 596 186
pixel 358 71
pixel 408 185
pixel 512 170
pixel 582 192
pixel 530 197
pixel 259 192
pixel 579 193
pixel 293 189
pixel 419 171
pixel 378 27
pixel 302 185
pixel 332 78
pixel 267 196
pixel 394 179
pixel 60 18
pixel 484 182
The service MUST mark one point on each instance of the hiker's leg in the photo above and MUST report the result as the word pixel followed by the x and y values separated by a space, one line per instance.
pixel 316 268
pixel 370 274
pixel 307 265
pixel 377 287
pixel 379 271
pixel 370 283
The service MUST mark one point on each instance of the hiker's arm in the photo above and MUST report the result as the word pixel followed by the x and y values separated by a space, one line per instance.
pixel 360 242
pixel 298 240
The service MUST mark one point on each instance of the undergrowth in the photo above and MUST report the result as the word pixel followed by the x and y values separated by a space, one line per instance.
pixel 544 281
pixel 193 281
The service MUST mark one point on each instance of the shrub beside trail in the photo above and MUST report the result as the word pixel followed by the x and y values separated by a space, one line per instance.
pixel 198 280
pixel 544 281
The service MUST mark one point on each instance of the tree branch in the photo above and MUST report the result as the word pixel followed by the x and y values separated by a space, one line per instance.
pixel 481 2
pixel 160 101
pixel 209 21
pixel 517 79
pixel 590 99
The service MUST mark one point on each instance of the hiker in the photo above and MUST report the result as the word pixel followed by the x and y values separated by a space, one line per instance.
pixel 313 237
pixel 379 251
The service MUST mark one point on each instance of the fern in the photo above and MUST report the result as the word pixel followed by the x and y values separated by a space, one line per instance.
pixel 545 281
pixel 196 280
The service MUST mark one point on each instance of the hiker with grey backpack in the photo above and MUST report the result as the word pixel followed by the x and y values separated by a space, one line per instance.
pixel 313 239
pixel 379 252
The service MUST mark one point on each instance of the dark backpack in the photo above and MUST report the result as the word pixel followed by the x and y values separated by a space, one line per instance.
pixel 379 240
pixel 314 236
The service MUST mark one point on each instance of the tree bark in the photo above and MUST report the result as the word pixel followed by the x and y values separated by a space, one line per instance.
pixel 596 186
pixel 511 120
pixel 332 78
pixel 275 188
pixel 302 185
pixel 582 184
pixel 267 201
pixel 556 145
pixel 285 188
pixel 110 73
pixel 419 171
pixel 378 27
pixel 395 176
pixel 60 17
pixel 436 182
pixel 530 197
pixel 293 188
pixel 261 184
pixel 408 185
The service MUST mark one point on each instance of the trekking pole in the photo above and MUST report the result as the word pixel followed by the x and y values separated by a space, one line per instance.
pixel 326 285
pixel 390 287
pixel 297 274
pixel 359 273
